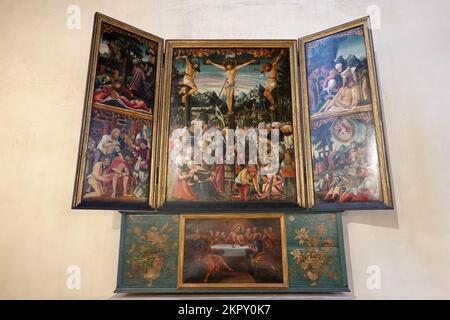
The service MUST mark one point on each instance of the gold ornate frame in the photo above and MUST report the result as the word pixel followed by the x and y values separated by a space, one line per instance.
pixel 283 285
pixel 77 201
pixel 165 114
pixel 376 109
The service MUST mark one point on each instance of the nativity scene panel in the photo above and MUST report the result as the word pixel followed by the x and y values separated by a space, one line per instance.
pixel 126 69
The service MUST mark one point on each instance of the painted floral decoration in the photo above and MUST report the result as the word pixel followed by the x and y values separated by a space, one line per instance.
pixel 313 257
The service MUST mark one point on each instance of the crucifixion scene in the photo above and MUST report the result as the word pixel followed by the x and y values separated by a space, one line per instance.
pixel 246 89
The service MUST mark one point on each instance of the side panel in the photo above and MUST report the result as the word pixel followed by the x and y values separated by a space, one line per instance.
pixel 116 159
pixel 345 151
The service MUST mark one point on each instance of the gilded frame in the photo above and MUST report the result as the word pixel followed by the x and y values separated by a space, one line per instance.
pixel 291 45
pixel 77 202
pixel 283 285
pixel 387 202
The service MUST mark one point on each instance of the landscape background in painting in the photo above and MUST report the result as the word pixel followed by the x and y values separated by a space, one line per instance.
pixel 202 98
pixel 233 251
pixel 126 70
pixel 338 75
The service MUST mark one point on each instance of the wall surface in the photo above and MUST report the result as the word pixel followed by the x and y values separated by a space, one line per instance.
pixel 44 65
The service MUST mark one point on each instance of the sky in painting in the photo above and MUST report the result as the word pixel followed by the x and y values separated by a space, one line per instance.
pixel 212 79
pixel 104 49
pixel 353 44
pixel 348 44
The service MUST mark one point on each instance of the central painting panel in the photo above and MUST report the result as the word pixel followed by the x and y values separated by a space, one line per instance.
pixel 230 123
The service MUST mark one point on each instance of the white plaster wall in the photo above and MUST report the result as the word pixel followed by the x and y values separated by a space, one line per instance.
pixel 43 70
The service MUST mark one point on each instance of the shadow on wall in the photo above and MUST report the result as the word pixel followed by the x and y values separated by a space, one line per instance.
pixel 381 218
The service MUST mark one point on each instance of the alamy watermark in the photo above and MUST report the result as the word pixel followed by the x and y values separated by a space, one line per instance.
pixel 374 12
pixel 73 21
pixel 73 281
pixel 373 281
pixel 229 146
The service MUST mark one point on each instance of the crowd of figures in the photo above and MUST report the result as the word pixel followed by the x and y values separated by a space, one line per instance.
pixel 273 180
pixel 261 246
pixel 118 165
pixel 342 86
pixel 113 90
pixel 255 91
pixel 348 172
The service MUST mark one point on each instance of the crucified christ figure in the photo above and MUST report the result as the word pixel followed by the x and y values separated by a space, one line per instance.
pixel 230 70
pixel 271 70
pixel 188 87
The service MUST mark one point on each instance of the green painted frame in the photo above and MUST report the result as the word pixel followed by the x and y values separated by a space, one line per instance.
pixel 123 288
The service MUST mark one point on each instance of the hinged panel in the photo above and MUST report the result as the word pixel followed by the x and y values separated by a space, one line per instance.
pixel 346 166
pixel 116 158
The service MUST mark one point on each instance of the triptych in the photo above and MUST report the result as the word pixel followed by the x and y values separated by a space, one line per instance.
pixel 188 131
